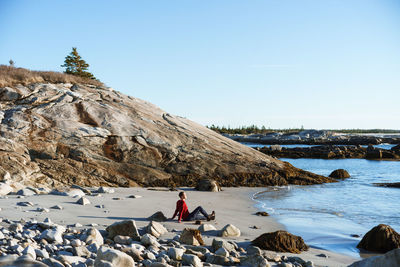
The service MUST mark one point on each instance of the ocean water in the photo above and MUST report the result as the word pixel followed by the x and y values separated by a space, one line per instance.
pixel 327 215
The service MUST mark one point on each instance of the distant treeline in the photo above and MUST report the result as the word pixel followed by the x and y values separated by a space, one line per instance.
pixel 254 129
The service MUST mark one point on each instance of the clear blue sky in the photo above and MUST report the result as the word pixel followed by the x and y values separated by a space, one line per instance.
pixel 278 63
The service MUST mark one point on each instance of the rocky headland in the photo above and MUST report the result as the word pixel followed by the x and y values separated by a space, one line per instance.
pixel 59 134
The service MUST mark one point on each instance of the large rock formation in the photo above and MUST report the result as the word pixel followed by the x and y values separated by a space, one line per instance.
pixel 339 174
pixel 63 134
pixel 381 238
pixel 391 258
pixel 281 241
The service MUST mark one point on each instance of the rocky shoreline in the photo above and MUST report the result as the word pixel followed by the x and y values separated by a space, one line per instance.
pixel 332 152
pixel 316 137
pixel 115 227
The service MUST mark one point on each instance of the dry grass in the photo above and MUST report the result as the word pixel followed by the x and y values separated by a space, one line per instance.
pixel 10 76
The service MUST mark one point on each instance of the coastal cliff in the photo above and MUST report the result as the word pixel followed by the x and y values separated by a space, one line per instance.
pixel 89 135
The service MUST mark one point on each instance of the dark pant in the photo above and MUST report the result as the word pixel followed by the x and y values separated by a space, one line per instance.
pixel 198 214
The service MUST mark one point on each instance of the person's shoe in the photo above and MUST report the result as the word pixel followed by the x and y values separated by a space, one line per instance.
pixel 211 217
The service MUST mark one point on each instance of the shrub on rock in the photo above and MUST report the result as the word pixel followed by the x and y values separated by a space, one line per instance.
pixel 339 174
pixel 280 241
pixel 381 238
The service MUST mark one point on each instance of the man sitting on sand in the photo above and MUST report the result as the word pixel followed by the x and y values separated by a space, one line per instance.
pixel 183 213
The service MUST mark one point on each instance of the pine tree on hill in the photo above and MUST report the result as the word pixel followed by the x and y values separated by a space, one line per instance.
pixel 75 65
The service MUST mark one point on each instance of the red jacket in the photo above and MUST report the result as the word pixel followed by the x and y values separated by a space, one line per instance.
pixel 181 210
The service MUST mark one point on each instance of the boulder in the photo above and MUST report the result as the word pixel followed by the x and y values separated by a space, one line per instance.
pixel 381 238
pixel 115 257
pixel 16 227
pixel 280 241
pixel 158 217
pixel 83 201
pixel 222 252
pixel 81 251
pixel 29 251
pixel 93 235
pixel 208 185
pixel 133 252
pixel 53 262
pixel 122 239
pixel 339 174
pixel 25 204
pixel 373 153
pixel 53 235
pixel 218 243
pixel 127 228
pixel 251 250
pixel 105 190
pixel 191 260
pixel 206 227
pixel 42 253
pixel 71 260
pixel 13 260
pixel 75 192
pixel 156 229
pixel 26 192
pixel 391 258
pixel 191 237
pixel 218 260
pixel 5 189
pixel 230 230
pixel 254 261
pixel 275 148
pixel 149 240
pixel 175 253
pixel 202 250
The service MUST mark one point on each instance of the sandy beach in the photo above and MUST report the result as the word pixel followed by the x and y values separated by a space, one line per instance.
pixel 232 205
